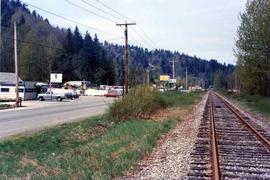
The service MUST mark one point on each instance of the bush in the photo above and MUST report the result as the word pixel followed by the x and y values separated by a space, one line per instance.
pixel 139 103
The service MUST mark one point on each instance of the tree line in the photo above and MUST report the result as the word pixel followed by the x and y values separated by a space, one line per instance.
pixel 253 48
pixel 44 48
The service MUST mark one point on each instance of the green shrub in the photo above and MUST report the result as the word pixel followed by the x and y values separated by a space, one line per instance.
pixel 139 103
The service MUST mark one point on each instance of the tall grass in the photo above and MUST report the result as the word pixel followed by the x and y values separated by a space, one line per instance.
pixel 139 103
pixel 177 99
pixel 258 104
pixel 5 106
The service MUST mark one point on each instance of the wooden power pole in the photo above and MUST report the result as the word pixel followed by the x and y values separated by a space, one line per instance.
pixel 186 79
pixel 173 67
pixel 0 31
pixel 126 55
pixel 16 64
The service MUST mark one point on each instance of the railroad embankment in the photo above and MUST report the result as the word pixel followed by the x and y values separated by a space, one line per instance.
pixel 102 147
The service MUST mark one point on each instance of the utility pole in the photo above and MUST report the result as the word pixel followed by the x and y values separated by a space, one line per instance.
pixel 16 64
pixel 173 68
pixel 148 76
pixel 235 80
pixel 0 31
pixel 186 79
pixel 126 54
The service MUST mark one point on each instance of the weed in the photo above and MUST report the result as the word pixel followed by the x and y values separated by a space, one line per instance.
pixel 139 103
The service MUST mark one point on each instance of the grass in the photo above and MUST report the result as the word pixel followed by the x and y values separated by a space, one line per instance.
pixel 257 104
pixel 183 100
pixel 5 106
pixel 91 149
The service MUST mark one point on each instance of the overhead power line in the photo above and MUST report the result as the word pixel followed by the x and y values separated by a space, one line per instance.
pixel 126 18
pixel 108 7
pixel 30 42
pixel 142 37
pixel 114 39
pixel 71 20
pixel 106 12
pixel 87 10
pixel 146 35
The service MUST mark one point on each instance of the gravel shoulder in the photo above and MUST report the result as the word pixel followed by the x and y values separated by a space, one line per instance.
pixel 170 159
pixel 256 118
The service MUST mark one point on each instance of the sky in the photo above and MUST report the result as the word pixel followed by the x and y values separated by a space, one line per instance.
pixel 205 28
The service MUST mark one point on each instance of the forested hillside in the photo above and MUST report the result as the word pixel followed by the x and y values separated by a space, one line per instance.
pixel 43 49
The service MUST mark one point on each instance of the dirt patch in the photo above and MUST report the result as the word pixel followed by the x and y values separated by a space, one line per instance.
pixel 56 171
pixel 24 162
pixel 122 150
pixel 90 133
pixel 115 154
pixel 174 113
pixel 41 170
pixel 27 177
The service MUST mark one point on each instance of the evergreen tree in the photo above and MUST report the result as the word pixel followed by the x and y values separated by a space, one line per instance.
pixel 86 57
pixel 219 81
pixel 77 41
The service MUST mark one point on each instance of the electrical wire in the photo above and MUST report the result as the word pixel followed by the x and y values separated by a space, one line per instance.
pixel 146 35
pixel 139 27
pixel 106 12
pixel 70 20
pixel 113 39
pixel 97 15
pixel 142 37
pixel 78 6
pixel 108 7
pixel 30 42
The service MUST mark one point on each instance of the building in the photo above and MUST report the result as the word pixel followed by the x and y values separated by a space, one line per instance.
pixel 27 89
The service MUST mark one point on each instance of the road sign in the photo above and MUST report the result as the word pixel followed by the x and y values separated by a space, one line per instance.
pixel 172 81
pixel 164 78
pixel 56 78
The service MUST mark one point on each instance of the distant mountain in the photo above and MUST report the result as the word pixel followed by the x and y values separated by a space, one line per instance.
pixel 44 49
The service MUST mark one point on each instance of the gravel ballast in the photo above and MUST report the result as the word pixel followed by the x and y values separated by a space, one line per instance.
pixel 170 159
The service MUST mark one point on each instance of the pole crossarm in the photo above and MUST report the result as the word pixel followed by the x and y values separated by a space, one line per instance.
pixel 125 24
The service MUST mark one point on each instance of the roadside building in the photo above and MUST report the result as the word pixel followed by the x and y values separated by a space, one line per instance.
pixel 27 89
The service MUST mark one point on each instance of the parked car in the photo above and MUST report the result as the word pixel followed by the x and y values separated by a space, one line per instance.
pixel 50 96
pixel 112 93
pixel 72 95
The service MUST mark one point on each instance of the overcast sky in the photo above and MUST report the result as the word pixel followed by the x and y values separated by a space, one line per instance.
pixel 205 28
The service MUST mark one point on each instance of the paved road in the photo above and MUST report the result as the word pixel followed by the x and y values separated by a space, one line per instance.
pixel 38 115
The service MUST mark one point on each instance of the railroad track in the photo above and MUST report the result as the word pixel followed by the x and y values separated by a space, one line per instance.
pixel 229 145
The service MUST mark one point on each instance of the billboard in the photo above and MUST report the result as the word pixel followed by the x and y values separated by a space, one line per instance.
pixel 164 78
pixel 56 78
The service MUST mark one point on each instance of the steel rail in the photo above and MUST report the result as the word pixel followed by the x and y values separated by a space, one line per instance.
pixel 252 129
pixel 213 142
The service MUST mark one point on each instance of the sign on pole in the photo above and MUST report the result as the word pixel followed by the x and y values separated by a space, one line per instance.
pixel 56 78
pixel 164 78
pixel 172 81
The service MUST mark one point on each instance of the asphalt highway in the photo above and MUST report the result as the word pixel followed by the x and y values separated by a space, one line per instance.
pixel 39 115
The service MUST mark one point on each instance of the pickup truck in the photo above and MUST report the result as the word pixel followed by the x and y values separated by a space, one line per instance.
pixel 50 96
